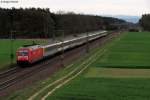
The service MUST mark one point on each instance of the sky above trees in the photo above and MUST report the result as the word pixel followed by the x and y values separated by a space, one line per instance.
pixel 98 7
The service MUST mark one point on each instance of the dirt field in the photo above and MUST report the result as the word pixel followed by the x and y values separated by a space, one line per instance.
pixel 117 73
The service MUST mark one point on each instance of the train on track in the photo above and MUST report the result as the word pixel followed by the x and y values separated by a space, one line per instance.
pixel 28 55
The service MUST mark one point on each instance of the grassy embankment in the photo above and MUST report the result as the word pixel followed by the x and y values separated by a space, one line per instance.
pixel 116 73
pixel 132 51
pixel 24 94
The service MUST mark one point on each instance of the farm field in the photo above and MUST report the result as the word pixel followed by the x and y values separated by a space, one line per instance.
pixel 131 51
pixel 102 81
pixel 104 89
pixel 118 81
pixel 5 50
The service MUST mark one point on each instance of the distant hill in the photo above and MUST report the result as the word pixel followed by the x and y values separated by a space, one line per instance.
pixel 133 19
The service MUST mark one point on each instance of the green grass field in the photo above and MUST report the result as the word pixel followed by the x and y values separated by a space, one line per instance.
pixel 104 89
pixel 5 50
pixel 131 51
pixel 117 73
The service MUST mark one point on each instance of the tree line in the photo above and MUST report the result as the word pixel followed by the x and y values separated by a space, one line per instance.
pixel 41 23
pixel 145 22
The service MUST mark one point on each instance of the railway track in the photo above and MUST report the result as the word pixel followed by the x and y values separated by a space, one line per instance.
pixel 60 82
pixel 10 77
pixel 9 72
pixel 22 74
pixel 17 74
pixel 14 76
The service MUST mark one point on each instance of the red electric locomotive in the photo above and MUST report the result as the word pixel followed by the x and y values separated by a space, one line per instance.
pixel 29 54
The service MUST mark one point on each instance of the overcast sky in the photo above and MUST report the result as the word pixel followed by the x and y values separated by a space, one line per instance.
pixel 99 7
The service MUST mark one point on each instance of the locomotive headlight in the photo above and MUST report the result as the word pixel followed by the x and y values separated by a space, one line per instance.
pixel 23 57
pixel 26 57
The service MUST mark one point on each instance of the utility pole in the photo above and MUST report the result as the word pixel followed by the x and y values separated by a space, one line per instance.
pixel 53 35
pixel 11 39
pixel 61 39
pixel 87 42
pixel 62 46
pixel 46 27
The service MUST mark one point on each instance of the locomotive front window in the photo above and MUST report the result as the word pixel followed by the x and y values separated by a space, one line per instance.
pixel 23 52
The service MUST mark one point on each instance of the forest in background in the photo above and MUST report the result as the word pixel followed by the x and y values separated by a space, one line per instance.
pixel 41 23
pixel 145 22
